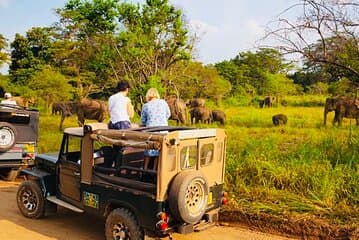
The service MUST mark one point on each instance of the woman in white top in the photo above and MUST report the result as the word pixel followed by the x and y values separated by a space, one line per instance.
pixel 120 107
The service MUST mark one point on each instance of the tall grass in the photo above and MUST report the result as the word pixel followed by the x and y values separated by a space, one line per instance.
pixel 300 168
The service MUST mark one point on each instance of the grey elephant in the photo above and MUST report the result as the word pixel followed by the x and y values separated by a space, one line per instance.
pixel 202 114
pixel 266 102
pixel 218 116
pixel 344 107
pixel 279 119
pixel 178 109
pixel 84 109
pixel 196 102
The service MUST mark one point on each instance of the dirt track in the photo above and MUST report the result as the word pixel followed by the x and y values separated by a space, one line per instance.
pixel 67 225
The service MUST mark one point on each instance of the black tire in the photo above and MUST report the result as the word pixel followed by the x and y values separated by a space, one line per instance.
pixel 9 174
pixel 30 200
pixel 122 225
pixel 188 196
pixel 7 136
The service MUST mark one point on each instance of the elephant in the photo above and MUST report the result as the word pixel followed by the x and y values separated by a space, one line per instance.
pixel 196 102
pixel 284 103
pixel 348 109
pixel 178 109
pixel 279 119
pixel 266 102
pixel 202 114
pixel 218 116
pixel 343 107
pixel 84 109
pixel 57 108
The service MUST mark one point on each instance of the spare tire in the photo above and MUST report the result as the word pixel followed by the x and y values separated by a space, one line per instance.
pixel 7 136
pixel 188 196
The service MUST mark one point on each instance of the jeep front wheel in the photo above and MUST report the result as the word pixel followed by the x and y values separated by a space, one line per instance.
pixel 122 225
pixel 30 200
pixel 188 196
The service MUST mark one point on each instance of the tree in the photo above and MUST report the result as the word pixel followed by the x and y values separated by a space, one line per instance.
pixel 3 55
pixel 50 85
pixel 325 34
pixel 109 41
pixel 85 43
pixel 192 79
pixel 250 70
pixel 29 53
pixel 153 39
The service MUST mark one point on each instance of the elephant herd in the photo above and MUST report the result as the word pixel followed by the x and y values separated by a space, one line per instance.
pixel 97 110
pixel 343 107
pixel 197 111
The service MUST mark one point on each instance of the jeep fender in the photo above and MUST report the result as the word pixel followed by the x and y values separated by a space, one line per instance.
pixel 114 203
pixel 47 180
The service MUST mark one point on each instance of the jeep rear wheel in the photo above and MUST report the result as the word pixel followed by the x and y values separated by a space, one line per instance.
pixel 7 136
pixel 30 200
pixel 188 196
pixel 122 225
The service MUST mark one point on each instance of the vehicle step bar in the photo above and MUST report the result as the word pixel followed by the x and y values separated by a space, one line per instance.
pixel 54 199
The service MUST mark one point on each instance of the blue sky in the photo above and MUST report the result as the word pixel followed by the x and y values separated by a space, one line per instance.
pixel 225 27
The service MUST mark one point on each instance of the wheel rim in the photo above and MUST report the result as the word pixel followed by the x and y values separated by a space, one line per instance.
pixel 6 136
pixel 29 200
pixel 195 197
pixel 120 232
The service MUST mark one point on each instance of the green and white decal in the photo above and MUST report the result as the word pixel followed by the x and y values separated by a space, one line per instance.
pixel 91 199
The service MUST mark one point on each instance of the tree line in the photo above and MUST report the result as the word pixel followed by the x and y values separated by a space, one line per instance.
pixel 96 43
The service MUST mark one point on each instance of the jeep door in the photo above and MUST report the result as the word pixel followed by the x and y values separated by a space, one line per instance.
pixel 69 168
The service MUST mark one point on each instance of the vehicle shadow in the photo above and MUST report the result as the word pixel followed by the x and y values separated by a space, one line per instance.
pixel 64 225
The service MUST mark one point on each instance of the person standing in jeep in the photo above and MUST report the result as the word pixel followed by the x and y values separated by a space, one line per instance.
pixel 154 113
pixel 120 107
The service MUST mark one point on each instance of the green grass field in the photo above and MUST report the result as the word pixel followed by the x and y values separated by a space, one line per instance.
pixel 301 169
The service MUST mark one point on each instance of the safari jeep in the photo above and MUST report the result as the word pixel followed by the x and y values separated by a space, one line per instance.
pixel 18 139
pixel 101 171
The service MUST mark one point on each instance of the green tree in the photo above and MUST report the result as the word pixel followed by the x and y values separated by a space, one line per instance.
pixel 86 44
pixel 29 53
pixel 251 70
pixel 50 85
pixel 192 79
pixel 324 33
pixel 153 39
pixel 3 55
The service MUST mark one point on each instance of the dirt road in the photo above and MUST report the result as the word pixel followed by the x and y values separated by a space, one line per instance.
pixel 67 225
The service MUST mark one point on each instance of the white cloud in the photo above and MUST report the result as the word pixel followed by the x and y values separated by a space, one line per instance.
pixel 202 27
pixel 4 3
pixel 254 28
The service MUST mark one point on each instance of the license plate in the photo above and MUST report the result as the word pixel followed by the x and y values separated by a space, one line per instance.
pixel 30 148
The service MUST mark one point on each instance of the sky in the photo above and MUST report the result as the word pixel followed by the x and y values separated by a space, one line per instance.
pixel 224 28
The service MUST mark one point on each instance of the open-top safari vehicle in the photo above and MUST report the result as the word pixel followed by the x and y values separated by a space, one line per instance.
pixel 101 171
pixel 18 139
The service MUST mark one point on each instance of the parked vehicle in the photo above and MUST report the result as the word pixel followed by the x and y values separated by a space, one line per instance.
pixel 18 139
pixel 101 171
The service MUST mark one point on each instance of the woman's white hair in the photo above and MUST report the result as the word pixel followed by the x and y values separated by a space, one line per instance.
pixel 152 93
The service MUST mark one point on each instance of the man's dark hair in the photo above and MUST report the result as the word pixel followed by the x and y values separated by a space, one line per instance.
pixel 122 85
